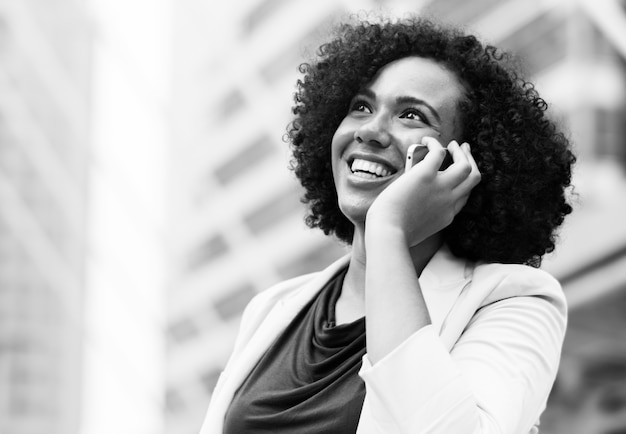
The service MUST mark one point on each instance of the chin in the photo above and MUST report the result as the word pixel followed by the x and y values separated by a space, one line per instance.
pixel 355 211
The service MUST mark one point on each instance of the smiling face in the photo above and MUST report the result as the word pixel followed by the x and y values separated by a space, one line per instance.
pixel 408 99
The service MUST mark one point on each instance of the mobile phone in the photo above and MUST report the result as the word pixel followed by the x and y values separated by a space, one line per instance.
pixel 417 152
pixel 414 155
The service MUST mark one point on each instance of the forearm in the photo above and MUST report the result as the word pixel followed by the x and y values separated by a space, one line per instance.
pixel 493 378
pixel 395 307
pixel 417 388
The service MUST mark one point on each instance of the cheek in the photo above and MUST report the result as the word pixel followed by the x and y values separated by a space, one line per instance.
pixel 341 139
pixel 334 156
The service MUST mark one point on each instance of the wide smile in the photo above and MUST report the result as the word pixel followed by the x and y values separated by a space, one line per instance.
pixel 370 170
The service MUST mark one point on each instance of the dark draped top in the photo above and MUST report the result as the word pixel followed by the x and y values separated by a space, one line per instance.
pixel 307 381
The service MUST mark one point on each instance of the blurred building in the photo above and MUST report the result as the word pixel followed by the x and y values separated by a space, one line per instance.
pixel 44 118
pixel 238 222
pixel 123 354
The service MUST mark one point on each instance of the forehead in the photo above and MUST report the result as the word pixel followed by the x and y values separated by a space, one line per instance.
pixel 419 77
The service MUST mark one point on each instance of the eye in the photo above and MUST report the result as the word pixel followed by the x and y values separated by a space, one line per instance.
pixel 414 114
pixel 360 106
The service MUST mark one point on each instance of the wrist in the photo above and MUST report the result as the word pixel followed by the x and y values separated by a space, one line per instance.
pixel 380 231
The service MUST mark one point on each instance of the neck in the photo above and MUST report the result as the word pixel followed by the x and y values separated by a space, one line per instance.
pixel 354 283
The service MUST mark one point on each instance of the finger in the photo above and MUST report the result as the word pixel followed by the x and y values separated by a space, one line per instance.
pixel 468 151
pixel 461 167
pixel 473 177
pixel 456 152
pixel 460 203
pixel 436 153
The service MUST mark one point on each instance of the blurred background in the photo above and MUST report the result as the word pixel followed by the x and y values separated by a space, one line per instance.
pixel 145 196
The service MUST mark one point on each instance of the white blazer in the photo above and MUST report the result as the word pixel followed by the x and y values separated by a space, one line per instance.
pixel 486 364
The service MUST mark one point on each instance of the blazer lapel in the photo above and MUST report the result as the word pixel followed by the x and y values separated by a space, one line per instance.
pixel 442 281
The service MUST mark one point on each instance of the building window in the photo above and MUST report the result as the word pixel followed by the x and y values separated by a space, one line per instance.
pixel 212 249
pixel 460 11
pixel 174 401
pixel 232 305
pixel 609 133
pixel 209 380
pixel 540 44
pixel 230 104
pixel 289 60
pixel 275 70
pixel 273 212
pixel 182 330
pixel 4 35
pixel 260 14
pixel 251 155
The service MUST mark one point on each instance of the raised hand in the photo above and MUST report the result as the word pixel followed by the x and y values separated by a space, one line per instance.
pixel 425 200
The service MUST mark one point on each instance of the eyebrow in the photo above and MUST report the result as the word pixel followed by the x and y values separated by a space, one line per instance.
pixel 405 99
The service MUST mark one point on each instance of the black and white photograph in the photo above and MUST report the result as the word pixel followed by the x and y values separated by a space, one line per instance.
pixel 333 216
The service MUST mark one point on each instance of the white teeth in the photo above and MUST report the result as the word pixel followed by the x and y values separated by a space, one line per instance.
pixel 377 169
pixel 365 175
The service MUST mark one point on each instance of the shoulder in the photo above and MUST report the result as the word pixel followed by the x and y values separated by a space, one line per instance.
pixel 262 305
pixel 293 291
pixel 268 298
pixel 504 281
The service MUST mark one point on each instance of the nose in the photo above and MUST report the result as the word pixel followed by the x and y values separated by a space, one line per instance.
pixel 374 131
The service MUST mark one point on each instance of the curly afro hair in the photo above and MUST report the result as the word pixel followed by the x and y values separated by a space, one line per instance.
pixel 525 162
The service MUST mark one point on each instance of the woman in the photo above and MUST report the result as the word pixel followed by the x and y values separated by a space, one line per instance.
pixel 438 320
